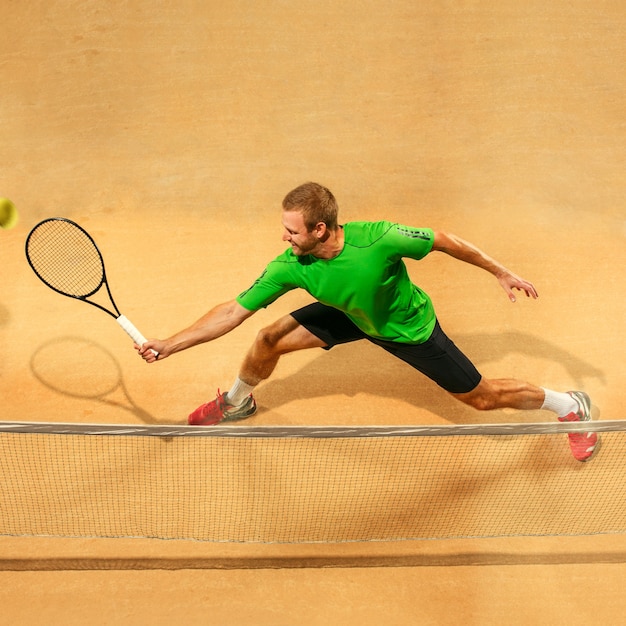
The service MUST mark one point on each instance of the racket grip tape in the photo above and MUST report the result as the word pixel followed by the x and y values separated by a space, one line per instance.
pixel 132 330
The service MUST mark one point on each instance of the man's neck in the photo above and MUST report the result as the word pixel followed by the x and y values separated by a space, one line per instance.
pixel 331 246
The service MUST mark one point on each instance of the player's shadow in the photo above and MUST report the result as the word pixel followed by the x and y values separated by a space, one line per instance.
pixel 80 368
pixel 362 367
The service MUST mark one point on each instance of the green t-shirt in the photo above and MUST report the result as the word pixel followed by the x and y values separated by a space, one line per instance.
pixel 367 280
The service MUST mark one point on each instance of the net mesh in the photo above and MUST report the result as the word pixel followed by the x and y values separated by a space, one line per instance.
pixel 65 258
pixel 234 484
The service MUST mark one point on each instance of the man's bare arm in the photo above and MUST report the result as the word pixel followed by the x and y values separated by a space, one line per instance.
pixel 464 251
pixel 217 322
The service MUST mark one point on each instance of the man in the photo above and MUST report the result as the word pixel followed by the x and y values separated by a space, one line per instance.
pixel 357 275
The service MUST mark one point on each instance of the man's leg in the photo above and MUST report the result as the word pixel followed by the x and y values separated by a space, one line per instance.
pixel 503 393
pixel 283 336
pixel 442 361
pixel 312 326
pixel 573 406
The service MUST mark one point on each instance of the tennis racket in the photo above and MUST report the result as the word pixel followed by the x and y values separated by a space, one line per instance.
pixel 66 258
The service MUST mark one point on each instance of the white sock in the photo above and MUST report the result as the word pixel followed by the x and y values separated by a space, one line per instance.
pixel 238 393
pixel 561 403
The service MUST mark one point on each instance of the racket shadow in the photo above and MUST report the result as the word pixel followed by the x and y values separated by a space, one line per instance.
pixel 80 368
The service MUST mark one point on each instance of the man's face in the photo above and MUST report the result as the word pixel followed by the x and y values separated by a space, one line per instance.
pixel 295 232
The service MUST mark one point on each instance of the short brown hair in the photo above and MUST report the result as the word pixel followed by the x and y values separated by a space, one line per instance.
pixel 316 203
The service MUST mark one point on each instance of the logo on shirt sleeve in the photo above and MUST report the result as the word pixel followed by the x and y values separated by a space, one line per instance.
pixel 413 233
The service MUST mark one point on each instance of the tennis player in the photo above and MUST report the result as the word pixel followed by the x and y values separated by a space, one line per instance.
pixel 362 289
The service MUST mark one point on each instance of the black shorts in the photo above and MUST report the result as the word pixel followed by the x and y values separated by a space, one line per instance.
pixel 438 357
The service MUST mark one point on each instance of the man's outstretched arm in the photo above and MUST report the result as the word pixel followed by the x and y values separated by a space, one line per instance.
pixel 469 253
pixel 217 322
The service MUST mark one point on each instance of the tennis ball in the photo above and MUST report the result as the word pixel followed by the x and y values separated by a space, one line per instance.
pixel 8 213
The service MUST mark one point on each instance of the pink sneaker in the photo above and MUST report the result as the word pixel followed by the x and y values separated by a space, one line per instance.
pixel 219 410
pixel 582 445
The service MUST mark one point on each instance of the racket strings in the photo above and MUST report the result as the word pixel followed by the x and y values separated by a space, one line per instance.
pixel 65 258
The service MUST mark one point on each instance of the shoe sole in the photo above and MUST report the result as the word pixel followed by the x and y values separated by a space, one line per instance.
pixel 224 419
pixel 237 418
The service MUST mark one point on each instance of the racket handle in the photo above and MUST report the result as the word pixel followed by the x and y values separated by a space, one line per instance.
pixel 132 330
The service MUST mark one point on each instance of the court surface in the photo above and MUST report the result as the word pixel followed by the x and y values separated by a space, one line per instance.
pixel 172 131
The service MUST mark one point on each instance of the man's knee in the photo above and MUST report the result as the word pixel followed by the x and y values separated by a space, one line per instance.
pixel 286 335
pixel 269 338
pixel 480 398
pixel 482 402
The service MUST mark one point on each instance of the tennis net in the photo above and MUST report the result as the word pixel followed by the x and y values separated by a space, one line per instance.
pixel 274 484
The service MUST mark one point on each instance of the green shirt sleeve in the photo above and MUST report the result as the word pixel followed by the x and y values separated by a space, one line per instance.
pixel 270 285
pixel 410 242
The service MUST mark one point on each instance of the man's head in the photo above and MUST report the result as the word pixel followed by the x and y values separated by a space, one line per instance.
pixel 309 217
pixel 315 202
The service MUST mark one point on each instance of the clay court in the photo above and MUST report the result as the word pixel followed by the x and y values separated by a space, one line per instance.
pixel 172 131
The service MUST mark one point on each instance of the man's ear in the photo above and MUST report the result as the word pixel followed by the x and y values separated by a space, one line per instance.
pixel 320 230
